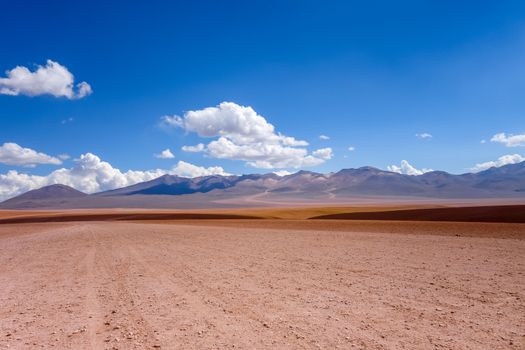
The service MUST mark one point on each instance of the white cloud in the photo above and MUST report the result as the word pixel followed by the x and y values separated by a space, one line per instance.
pixel 351 148
pixel 407 169
pixel 185 169
pixel 84 89
pixel 166 154
pixel 483 141
pixel 509 140
pixel 290 141
pixel 13 154
pixel 282 173
pixel 324 137
pixel 501 161
pixel 14 183
pixel 51 79
pixel 197 148
pixel 90 174
pixel 242 134
pixel 240 124
pixel 63 156
pixel 67 120
pixel 323 153
pixel 262 155
pixel 424 135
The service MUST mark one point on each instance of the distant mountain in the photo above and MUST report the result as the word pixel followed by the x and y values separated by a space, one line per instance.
pixel 170 191
pixel 54 192
pixel 175 185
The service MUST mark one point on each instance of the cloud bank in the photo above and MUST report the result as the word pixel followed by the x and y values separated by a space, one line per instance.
pixel 91 174
pixel 241 134
pixel 509 140
pixel 407 169
pixel 501 161
pixel 185 169
pixel 13 154
pixel 282 173
pixel 51 79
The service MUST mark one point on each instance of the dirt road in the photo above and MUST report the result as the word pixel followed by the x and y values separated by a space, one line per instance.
pixel 174 286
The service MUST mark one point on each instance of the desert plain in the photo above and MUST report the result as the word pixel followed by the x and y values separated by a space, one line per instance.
pixel 263 279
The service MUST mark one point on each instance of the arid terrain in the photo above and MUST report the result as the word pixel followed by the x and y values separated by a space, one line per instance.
pixel 217 282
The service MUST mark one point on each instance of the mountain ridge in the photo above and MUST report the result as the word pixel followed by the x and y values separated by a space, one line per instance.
pixel 506 182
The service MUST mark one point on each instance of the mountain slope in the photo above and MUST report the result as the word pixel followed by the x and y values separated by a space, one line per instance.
pixel 54 192
pixel 175 185
pixel 171 191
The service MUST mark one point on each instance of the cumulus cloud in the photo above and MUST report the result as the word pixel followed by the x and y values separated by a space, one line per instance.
pixel 424 136
pixel 13 154
pixel 407 169
pixel 240 124
pixel 509 140
pixel 91 174
pixel 166 154
pixel 324 137
pixel 262 155
pixel 282 173
pixel 14 183
pixel 323 153
pixel 242 134
pixel 51 79
pixel 501 161
pixel 197 148
pixel 351 148
pixel 185 169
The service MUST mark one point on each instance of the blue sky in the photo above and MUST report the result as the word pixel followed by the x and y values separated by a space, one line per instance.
pixel 370 75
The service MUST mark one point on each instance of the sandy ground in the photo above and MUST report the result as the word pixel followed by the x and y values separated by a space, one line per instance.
pixel 451 213
pixel 146 285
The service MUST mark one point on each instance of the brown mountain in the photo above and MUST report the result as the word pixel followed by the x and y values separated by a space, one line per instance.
pixel 34 197
pixel 170 191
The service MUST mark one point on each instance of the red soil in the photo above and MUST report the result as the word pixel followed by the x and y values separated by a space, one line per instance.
pixel 224 284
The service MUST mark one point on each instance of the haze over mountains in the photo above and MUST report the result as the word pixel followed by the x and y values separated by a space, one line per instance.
pixel 170 191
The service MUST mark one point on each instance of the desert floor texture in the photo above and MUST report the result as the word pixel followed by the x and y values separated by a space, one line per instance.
pixel 262 284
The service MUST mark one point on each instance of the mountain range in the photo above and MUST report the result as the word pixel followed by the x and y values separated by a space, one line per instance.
pixel 347 185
